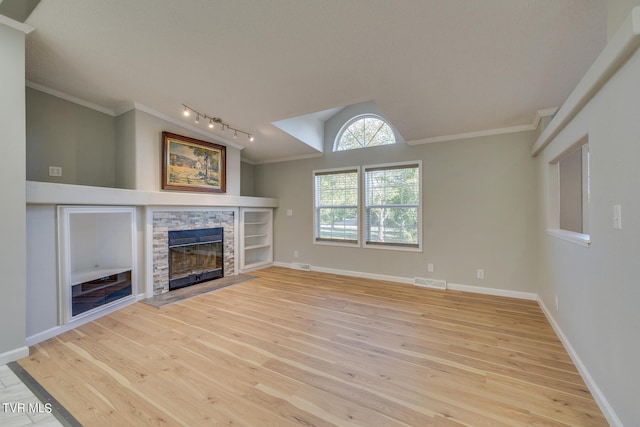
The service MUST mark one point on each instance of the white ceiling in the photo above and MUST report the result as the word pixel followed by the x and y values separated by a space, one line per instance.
pixel 434 67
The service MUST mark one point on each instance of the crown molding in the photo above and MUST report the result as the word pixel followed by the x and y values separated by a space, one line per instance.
pixel 70 98
pixel 128 107
pixel 180 123
pixel 489 132
pixel 619 49
pixel 12 23
pixel 284 159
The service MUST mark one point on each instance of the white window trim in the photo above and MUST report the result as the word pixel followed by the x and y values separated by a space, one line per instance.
pixel 570 236
pixel 354 119
pixel 315 217
pixel 553 218
pixel 363 207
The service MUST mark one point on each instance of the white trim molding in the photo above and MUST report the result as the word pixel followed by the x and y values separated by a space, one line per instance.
pixel 621 46
pixel 13 355
pixel 11 23
pixel 570 236
pixel 598 395
pixel 70 98
pixel 155 113
pixel 410 281
pixel 489 132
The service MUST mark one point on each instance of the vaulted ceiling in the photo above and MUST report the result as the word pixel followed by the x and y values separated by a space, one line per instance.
pixel 434 67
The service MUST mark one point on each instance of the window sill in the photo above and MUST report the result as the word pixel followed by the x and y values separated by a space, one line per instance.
pixel 336 243
pixel 393 247
pixel 571 236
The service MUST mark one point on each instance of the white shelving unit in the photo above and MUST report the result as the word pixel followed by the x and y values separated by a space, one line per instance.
pixel 97 247
pixel 256 238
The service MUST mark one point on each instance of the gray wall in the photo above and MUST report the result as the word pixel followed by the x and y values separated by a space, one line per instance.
pixel 617 12
pixel 247 179
pixel 76 138
pixel 97 149
pixel 479 211
pixel 12 173
pixel 125 150
pixel 597 287
pixel 148 153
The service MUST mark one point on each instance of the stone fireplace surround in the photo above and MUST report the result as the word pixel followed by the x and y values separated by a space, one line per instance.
pixel 165 220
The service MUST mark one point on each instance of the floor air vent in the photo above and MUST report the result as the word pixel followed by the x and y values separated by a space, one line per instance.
pixel 430 283
pixel 305 267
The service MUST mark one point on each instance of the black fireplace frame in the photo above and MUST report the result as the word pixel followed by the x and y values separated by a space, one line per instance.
pixel 187 238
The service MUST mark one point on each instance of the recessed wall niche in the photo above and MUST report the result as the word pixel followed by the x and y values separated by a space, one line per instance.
pixel 97 259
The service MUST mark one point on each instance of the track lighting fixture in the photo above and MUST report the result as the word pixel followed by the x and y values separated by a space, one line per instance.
pixel 213 120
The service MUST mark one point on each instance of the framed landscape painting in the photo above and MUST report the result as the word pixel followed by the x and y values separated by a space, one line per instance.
pixel 189 164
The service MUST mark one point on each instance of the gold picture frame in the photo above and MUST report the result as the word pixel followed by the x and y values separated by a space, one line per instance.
pixel 190 164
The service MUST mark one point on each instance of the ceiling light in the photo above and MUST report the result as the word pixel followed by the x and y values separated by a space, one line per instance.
pixel 213 120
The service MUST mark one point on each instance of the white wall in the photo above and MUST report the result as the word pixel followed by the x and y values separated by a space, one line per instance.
pixel 12 173
pixel 598 287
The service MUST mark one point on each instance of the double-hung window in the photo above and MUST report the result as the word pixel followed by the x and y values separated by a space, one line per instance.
pixel 336 195
pixel 392 204
pixel 386 213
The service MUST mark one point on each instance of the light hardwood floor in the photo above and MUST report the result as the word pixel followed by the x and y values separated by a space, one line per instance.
pixel 311 349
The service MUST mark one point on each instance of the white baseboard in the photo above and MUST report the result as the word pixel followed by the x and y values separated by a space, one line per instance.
pixel 60 329
pixel 410 280
pixel 350 273
pixel 493 291
pixel 13 355
pixel 597 394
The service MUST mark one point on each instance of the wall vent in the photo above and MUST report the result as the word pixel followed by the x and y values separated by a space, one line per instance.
pixel 430 283
pixel 305 267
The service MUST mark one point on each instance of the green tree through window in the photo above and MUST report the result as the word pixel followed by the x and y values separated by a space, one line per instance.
pixel 392 201
pixel 364 131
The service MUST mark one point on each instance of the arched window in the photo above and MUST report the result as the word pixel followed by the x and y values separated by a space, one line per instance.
pixel 362 131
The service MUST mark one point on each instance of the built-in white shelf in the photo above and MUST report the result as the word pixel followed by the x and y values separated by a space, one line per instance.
pixel 78 277
pixel 256 238
pixel 97 259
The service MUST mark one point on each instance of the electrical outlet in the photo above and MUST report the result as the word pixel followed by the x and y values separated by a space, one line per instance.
pixel 295 254
pixel 480 273
pixel 557 304
pixel 429 268
pixel 55 171
pixel 289 212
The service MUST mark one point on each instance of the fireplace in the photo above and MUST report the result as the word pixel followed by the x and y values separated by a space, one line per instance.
pixel 195 256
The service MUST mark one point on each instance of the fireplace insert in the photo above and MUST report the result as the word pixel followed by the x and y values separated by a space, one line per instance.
pixel 195 256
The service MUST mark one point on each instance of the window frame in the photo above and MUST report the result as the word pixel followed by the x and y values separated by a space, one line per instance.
pixel 354 119
pixel 555 204
pixel 336 242
pixel 361 209
pixel 365 207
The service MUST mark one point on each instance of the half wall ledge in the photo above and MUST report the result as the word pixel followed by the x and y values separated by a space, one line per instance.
pixel 47 193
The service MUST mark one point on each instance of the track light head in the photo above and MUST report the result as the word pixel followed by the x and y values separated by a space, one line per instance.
pixel 212 121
